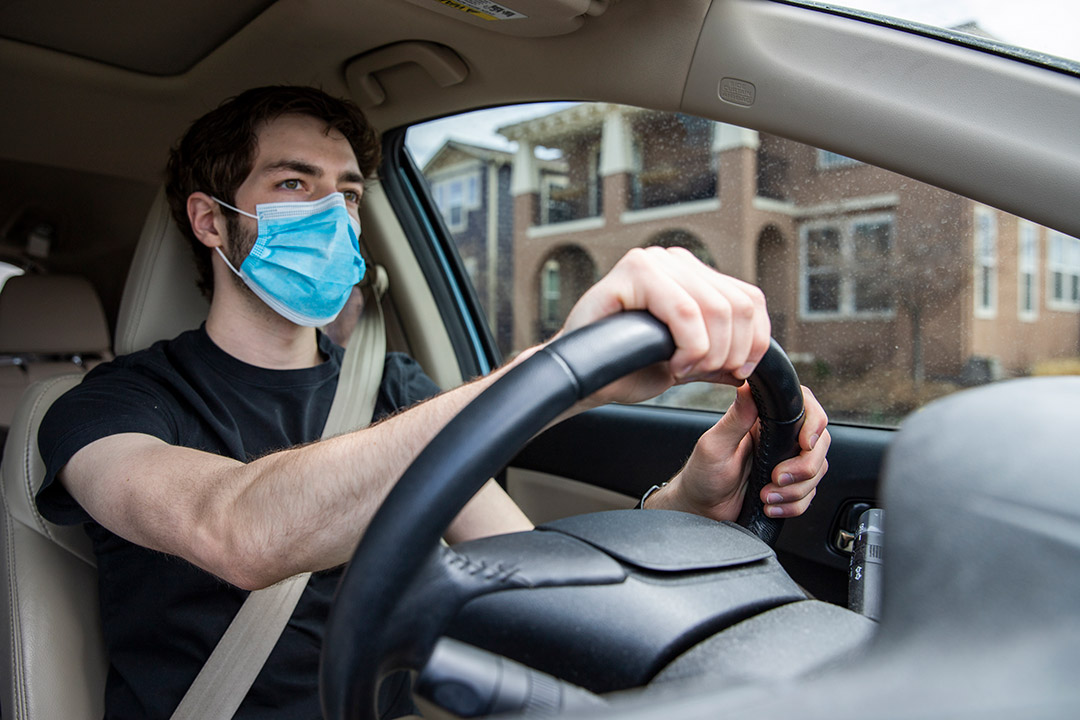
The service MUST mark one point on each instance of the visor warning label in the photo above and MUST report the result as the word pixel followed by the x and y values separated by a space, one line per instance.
pixel 483 9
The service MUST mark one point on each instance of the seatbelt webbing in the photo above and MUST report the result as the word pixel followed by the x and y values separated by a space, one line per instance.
pixel 225 678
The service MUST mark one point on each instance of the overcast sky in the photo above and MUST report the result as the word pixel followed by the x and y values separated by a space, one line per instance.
pixel 1051 26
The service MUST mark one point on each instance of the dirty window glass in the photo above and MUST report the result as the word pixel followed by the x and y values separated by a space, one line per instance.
pixel 885 292
pixel 1045 26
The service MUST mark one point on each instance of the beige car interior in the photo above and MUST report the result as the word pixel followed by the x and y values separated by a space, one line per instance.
pixel 103 115
pixel 50 574
pixel 49 571
pixel 49 325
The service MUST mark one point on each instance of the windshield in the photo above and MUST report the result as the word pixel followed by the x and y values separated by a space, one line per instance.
pixel 886 292
pixel 1044 26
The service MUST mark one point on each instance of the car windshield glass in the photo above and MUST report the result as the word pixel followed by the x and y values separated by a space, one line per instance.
pixel 1045 26
pixel 885 291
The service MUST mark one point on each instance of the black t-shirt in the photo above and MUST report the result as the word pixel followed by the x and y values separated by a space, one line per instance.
pixel 161 615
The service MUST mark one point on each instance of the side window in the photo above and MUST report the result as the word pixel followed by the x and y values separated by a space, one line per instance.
pixel 986 232
pixel 886 292
pixel 846 267
pixel 1063 273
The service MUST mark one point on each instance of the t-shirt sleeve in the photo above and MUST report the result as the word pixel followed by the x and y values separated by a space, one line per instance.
pixel 109 401
pixel 404 383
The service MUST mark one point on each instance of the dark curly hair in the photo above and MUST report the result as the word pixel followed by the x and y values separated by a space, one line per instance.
pixel 217 153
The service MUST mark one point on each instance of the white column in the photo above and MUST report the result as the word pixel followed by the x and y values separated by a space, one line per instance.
pixel 616 153
pixel 526 177
pixel 730 137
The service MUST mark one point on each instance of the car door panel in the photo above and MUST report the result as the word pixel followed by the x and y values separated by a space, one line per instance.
pixel 623 450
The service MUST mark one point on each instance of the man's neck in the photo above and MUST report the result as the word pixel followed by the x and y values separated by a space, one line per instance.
pixel 249 331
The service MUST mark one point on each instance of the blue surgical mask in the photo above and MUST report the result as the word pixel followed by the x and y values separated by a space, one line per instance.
pixel 305 260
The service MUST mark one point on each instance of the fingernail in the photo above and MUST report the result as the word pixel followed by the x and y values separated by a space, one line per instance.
pixel 813 441
pixel 774 498
pixel 785 479
pixel 744 372
pixel 774 511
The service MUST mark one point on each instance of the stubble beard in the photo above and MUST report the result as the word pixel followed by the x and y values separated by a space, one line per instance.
pixel 241 240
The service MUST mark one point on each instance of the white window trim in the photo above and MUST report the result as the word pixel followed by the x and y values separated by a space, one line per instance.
pixel 1025 314
pixel 847 294
pixel 981 311
pixel 1051 302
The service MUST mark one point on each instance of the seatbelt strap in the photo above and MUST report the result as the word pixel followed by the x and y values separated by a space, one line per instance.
pixel 225 678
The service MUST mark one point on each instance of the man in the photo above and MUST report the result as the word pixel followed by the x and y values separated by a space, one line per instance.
pixel 194 464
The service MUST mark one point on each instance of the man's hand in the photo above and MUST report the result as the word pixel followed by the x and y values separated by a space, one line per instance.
pixel 720 325
pixel 713 482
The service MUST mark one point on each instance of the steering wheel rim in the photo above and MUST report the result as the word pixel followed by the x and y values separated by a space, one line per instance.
pixel 357 652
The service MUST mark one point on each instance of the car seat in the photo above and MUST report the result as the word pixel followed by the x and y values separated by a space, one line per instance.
pixel 49 325
pixel 53 654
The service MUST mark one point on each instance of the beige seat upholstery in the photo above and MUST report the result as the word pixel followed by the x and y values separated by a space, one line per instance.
pixel 49 325
pixel 54 661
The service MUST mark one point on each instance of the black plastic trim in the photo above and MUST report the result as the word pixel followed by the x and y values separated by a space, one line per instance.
pixel 474 346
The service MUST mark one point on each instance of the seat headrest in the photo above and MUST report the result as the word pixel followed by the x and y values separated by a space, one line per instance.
pixel 52 314
pixel 161 298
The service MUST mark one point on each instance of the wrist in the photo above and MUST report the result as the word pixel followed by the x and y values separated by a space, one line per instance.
pixel 666 496
pixel 649 494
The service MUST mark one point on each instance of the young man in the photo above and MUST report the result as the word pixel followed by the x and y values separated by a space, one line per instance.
pixel 194 464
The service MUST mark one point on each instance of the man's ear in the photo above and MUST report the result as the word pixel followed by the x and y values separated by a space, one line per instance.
pixel 206 219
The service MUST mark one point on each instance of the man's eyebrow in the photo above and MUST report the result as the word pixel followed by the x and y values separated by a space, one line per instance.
pixel 351 177
pixel 296 166
pixel 304 168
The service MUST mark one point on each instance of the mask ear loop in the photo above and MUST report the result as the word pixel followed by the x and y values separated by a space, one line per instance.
pixel 218 249
pixel 229 264
pixel 234 209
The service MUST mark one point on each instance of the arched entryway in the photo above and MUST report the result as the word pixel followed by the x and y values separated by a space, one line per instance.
pixel 564 277
pixel 682 238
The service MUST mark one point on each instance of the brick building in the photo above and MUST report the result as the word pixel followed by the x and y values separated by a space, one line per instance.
pixel 861 266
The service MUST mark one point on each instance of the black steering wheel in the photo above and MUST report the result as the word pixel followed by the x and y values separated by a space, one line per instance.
pixel 360 645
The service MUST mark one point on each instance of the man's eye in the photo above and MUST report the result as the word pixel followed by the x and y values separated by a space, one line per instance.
pixel 292 184
pixel 352 196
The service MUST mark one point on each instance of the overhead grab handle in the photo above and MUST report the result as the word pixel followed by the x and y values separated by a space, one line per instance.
pixel 442 64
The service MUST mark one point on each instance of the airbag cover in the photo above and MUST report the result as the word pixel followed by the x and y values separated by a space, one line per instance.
pixel 643 538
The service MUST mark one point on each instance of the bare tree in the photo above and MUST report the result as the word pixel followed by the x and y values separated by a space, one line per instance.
pixel 927 270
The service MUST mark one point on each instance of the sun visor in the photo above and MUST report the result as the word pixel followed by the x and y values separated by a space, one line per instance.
pixel 524 18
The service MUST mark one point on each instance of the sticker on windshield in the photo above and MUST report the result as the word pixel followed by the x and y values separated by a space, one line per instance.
pixel 483 9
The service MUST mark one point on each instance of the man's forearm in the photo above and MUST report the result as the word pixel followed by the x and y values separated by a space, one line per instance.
pixel 306 508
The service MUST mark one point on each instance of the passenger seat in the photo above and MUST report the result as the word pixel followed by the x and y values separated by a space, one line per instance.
pixel 49 325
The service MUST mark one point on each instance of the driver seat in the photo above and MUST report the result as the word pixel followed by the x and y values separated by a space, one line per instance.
pixel 53 652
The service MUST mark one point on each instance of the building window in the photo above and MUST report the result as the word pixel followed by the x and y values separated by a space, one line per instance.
pixel 829 160
pixel 1063 272
pixel 550 294
pixel 555 206
pixel 1027 268
pixel 456 196
pixel 985 262
pixel 595 184
pixel 846 267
